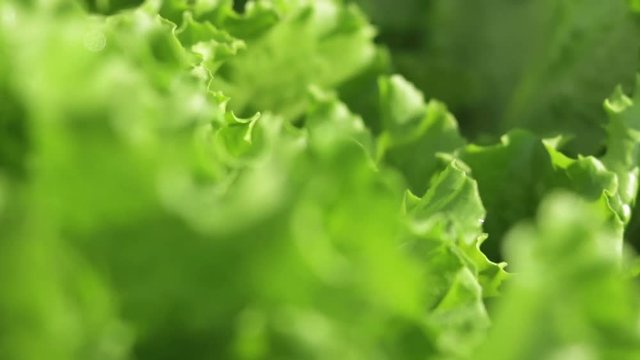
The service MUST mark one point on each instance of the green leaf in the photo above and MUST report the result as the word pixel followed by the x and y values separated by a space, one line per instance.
pixel 452 202
pixel 447 223
pixel 414 132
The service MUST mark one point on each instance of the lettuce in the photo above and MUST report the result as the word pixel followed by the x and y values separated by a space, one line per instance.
pixel 214 179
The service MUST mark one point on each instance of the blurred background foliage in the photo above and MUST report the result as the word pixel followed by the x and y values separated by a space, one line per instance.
pixel 500 64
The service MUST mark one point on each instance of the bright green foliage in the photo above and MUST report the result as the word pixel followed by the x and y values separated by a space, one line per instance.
pixel 179 180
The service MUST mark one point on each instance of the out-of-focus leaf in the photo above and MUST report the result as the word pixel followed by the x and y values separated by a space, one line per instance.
pixel 315 42
pixel 569 297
